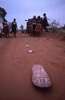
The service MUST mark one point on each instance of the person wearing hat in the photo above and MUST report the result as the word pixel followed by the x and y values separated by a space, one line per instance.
pixel 14 27
pixel 45 23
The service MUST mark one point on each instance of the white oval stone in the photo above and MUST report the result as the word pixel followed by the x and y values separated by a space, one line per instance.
pixel 27 45
pixel 40 77
pixel 30 51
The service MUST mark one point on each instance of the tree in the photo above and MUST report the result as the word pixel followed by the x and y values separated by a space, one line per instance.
pixel 2 12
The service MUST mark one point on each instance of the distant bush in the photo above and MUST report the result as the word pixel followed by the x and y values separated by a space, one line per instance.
pixel 53 25
pixel 3 12
pixel 63 27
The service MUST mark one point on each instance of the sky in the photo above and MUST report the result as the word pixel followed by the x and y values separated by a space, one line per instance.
pixel 25 9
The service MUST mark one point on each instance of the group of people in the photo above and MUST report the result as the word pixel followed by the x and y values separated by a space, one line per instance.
pixel 6 29
pixel 36 25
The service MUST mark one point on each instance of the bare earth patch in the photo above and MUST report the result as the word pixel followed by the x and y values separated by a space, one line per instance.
pixel 16 64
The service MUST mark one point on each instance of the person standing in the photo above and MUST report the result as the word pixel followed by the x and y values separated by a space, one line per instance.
pixel 14 27
pixel 38 26
pixel 34 21
pixel 45 23
pixel 5 28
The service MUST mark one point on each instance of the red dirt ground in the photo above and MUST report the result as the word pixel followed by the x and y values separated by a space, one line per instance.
pixel 16 64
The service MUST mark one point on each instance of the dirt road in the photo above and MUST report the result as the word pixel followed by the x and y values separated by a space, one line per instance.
pixel 16 64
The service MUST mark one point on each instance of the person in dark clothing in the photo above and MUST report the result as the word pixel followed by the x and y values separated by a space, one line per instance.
pixel 14 27
pixel 45 23
pixel 5 28
pixel 34 24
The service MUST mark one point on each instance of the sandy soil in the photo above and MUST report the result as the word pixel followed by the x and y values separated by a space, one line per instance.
pixel 16 64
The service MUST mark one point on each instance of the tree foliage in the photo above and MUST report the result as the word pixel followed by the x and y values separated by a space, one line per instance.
pixel 3 12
